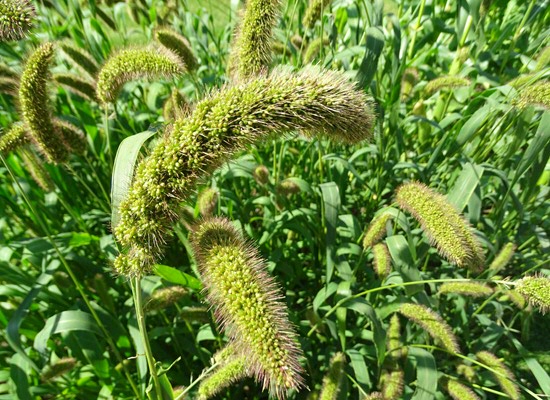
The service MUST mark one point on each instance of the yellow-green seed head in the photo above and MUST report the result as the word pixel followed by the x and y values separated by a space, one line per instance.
pixel 382 260
pixel 297 41
pixel 175 107
pixel 459 391
pixel 374 396
pixel 445 82
pixel 394 346
pixel 503 257
pixel 165 297
pixel 442 224
pixel 8 86
pixel 515 297
pixel 194 314
pixel 248 305
pixel 80 58
pixel 376 230
pixel 13 138
pixel 16 19
pixel 177 44
pixel 537 94
pixel 208 200
pixel 432 323
pixel 61 367
pixel 35 167
pixel 73 137
pixel 524 80
pixel 131 64
pixel 287 188
pixel 251 48
pixel 543 60
pixel 536 290
pixel 410 77
pixel 261 175
pixel 391 383
pixel 467 371
pixel 333 379
pixel 7 72
pixel 314 12
pixel 504 377
pixel 313 102
pixel 232 370
pixel 474 289
pixel 76 85
pixel 314 48
pixel 35 108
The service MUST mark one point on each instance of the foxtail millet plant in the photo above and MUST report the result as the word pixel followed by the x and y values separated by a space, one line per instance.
pixel 35 167
pixel 332 381
pixel 376 230
pixel 382 260
pixel 81 58
pixel 442 224
pixel 314 12
pixel 536 290
pixel 313 101
pixel 178 44
pixel 432 323
pixel 394 345
pixel 502 374
pixel 459 391
pixel 231 370
pixel 503 257
pixel 35 107
pixel 473 289
pixel 175 107
pixel 76 85
pixel 60 367
pixel 13 138
pixel 207 201
pixel 445 82
pixel 164 298
pixel 8 85
pixel 392 383
pixel 537 94
pixel 130 64
pixel 251 48
pixel 543 59
pixel 261 175
pixel 248 305
pixel 16 19
pixel 73 137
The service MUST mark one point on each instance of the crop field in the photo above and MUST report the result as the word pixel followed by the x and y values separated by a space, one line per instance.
pixel 274 199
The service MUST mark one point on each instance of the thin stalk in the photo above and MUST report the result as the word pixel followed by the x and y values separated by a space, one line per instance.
pixel 416 29
pixel 138 303
pixel 75 280
pixel 517 33
pixel 203 375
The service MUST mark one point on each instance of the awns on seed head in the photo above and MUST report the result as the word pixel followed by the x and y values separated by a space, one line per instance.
pixel 16 18
pixel 247 305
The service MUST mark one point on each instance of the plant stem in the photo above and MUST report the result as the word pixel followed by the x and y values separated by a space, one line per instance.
pixel 138 303
pixel 416 28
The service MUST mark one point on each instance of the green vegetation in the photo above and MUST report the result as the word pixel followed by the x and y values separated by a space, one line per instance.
pixel 190 209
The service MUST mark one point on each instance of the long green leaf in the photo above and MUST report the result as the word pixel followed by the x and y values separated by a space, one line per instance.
pixel 426 374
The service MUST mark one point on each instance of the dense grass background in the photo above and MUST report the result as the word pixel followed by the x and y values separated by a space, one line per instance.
pixel 475 143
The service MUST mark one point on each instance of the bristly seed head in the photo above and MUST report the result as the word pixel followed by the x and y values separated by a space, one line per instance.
pixel 444 226
pixel 332 381
pixel 314 12
pixel 382 260
pixel 247 305
pixel 503 257
pixel 13 138
pixel 504 377
pixel 458 391
pixel 474 289
pixel 445 82
pixel 16 19
pixel 376 230
pixel 178 44
pixel 536 290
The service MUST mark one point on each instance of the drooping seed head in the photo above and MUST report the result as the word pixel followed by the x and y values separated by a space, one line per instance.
pixel 382 260
pixel 536 290
pixel 35 167
pixel 131 64
pixel 459 391
pixel 176 107
pixel 261 175
pixel 442 224
pixel 332 381
pixel 502 374
pixel 543 59
pixel 474 289
pixel 165 297
pixel 314 12
pixel 251 48
pixel 314 48
pixel 35 108
pixel 287 188
pixel 177 44
pixel 432 323
pixel 392 383
pixel 313 102
pixel 222 377
pixel 537 94
pixel 247 305
pixel 7 72
pixel 76 85
pixel 8 86
pixel 13 138
pixel 467 371
pixel 208 200
pixel 515 297
pixel 16 19
pixel 376 230
pixel 81 58
pixel 73 138
pixel 194 314
pixel 445 82
pixel 408 81
pixel 503 257
pixel 61 367
pixel 394 345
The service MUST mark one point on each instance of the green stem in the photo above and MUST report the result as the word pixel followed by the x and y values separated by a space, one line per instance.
pixel 517 33
pixel 138 303
pixel 203 375
pixel 416 28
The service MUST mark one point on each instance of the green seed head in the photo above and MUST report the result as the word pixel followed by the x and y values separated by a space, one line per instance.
pixel 232 369
pixel 374 396
pixel 391 383
pixel 34 104
pixel 314 102
pixel 376 230
pixel 194 314
pixel 287 188
pixel 474 289
pixel 432 323
pixel 35 167
pixel 80 58
pixel 73 137
pixel 261 175
pixel 314 48
pixel 77 85
pixel 177 44
pixel 459 391
pixel 467 371
pixel 61 367
pixel 503 257
pixel 208 200
pixel 16 19
pixel 382 260
pixel 504 377
pixel 165 297
pixel 443 225
pixel 536 290
pixel 314 12
pixel 410 77
pixel 247 305
pixel 537 94
pixel 333 379
pixel 445 82
pixel 7 72
pixel 394 346
pixel 8 86
pixel 515 297
pixel 251 49
pixel 131 64
pixel 13 138
pixel 176 107
pixel 543 60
